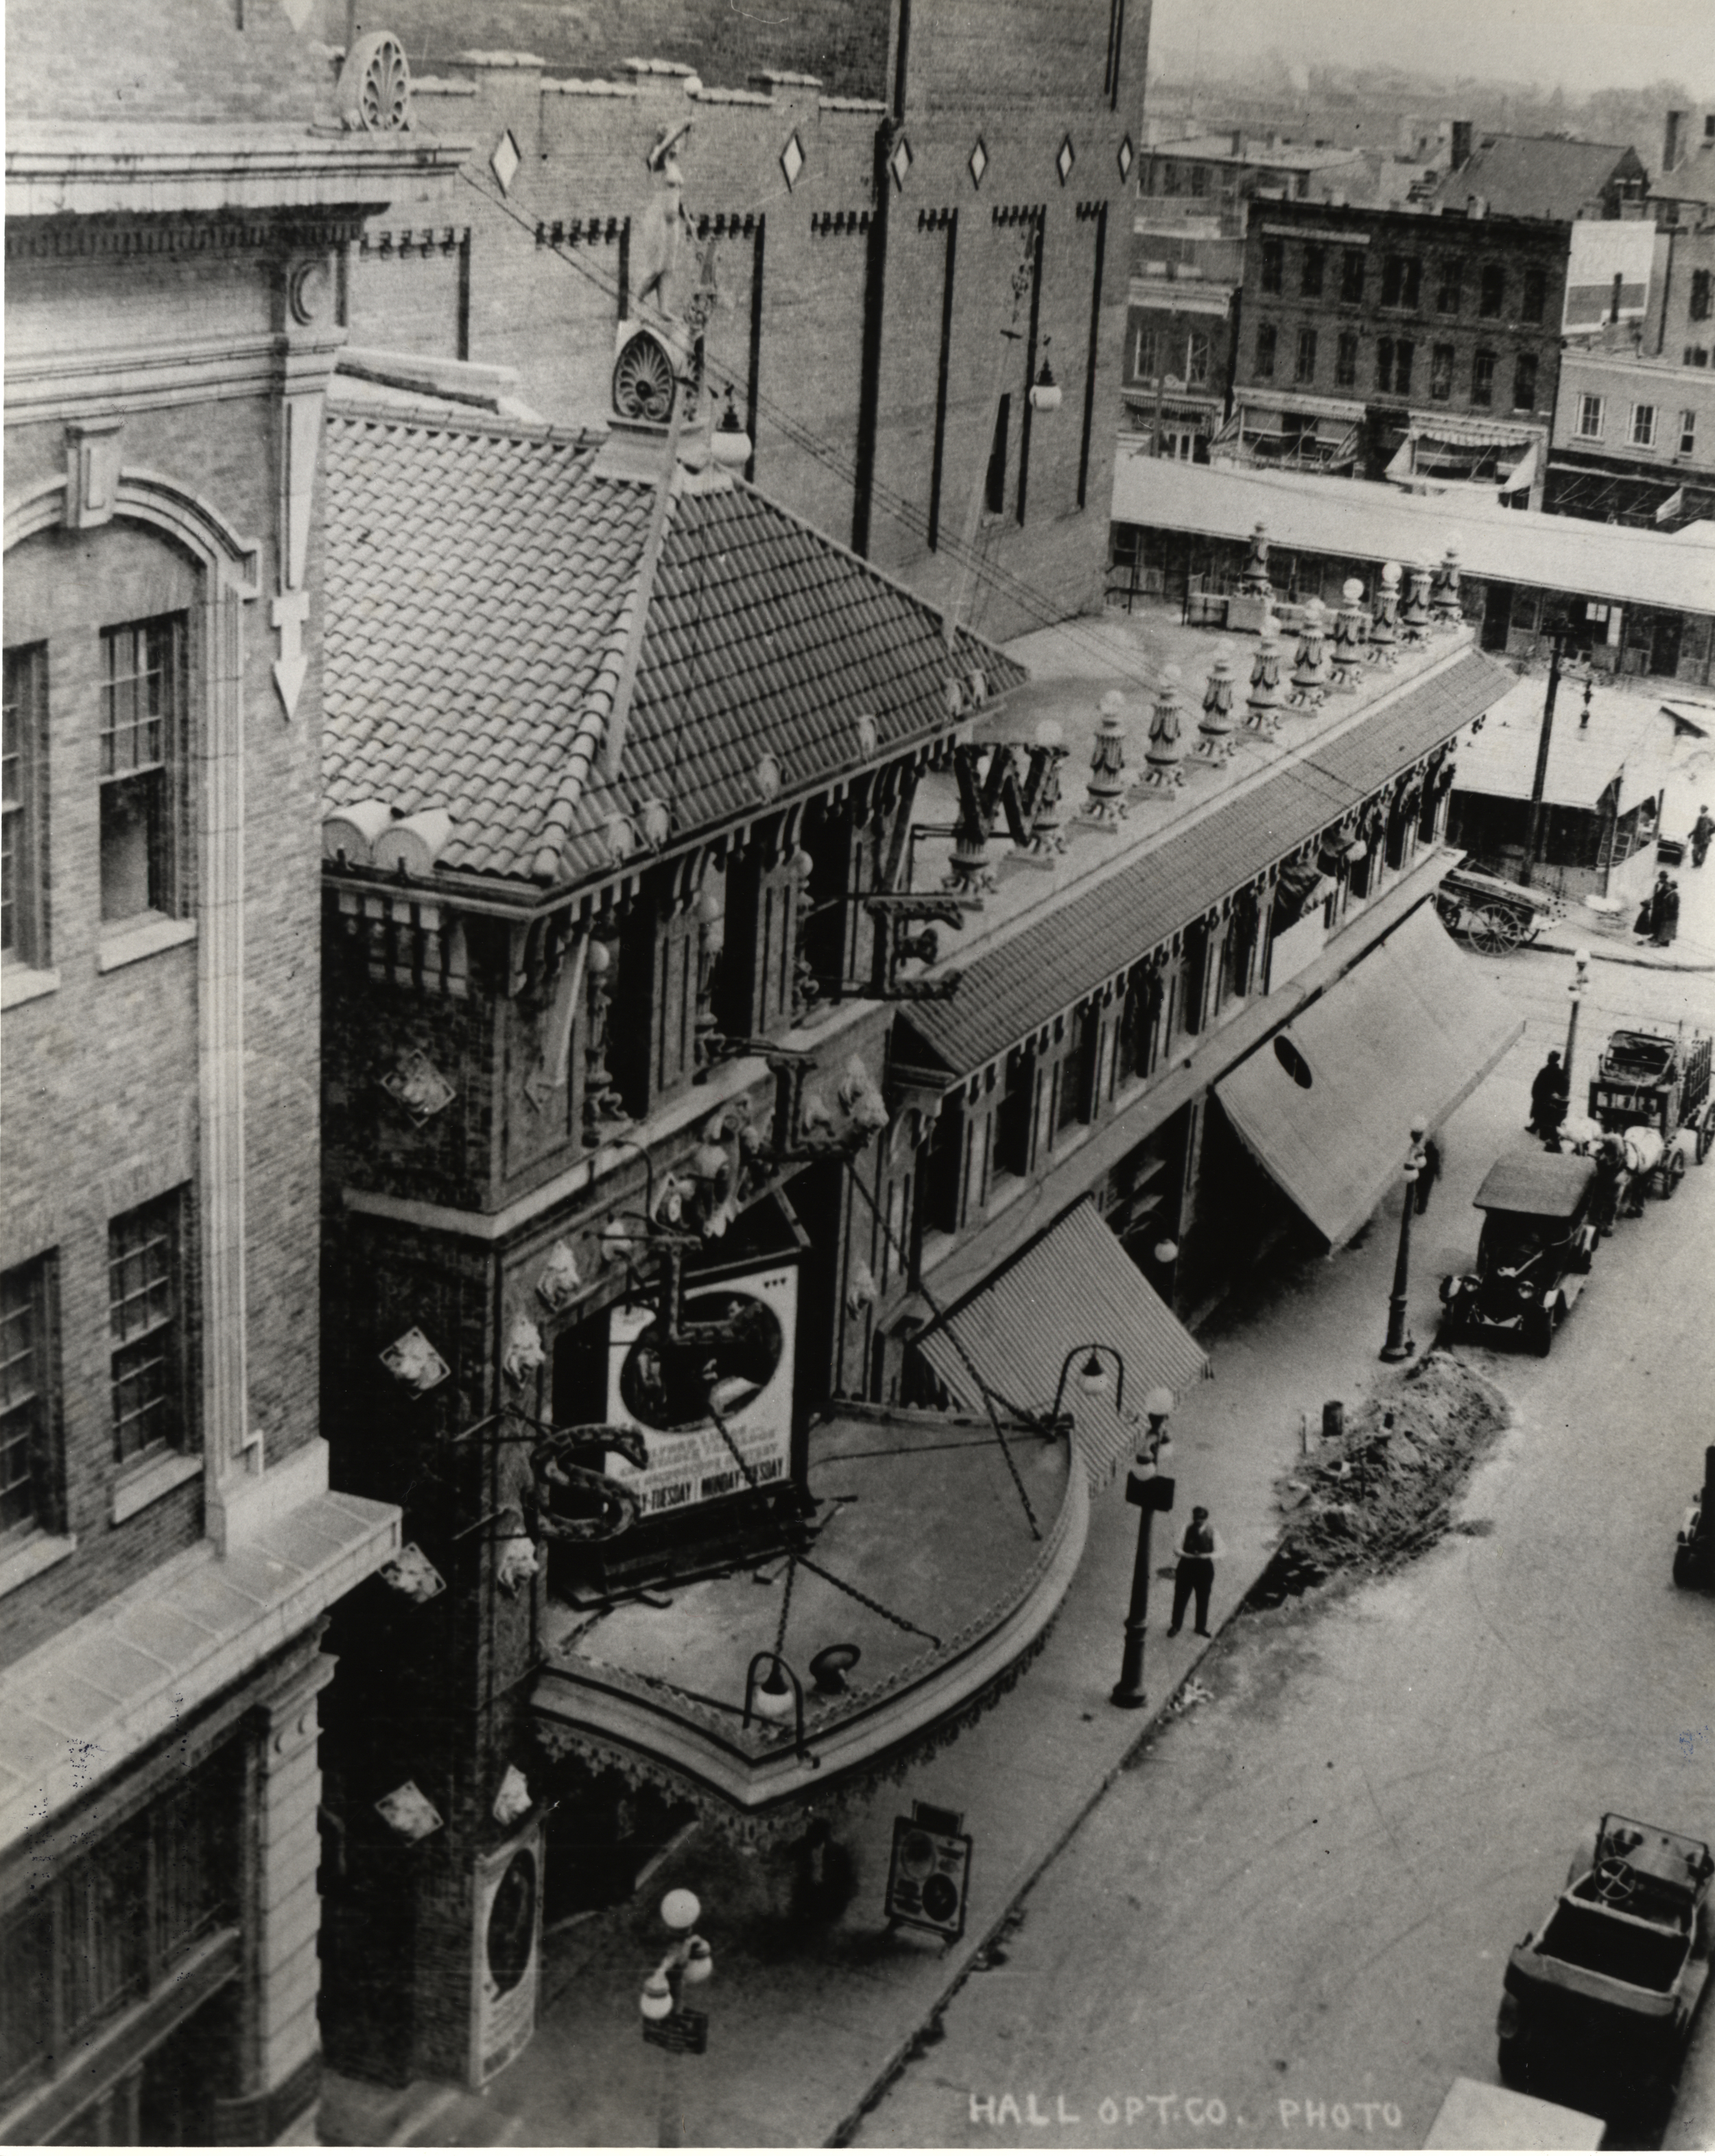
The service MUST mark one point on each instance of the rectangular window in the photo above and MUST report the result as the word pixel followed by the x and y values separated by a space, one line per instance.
pixel 1450 288
pixel 1413 292
pixel 144 1297
pixel 22 770
pixel 142 701
pixel 995 493
pixel 1273 263
pixel 1403 351
pixel 1482 378
pixel 1643 426
pixel 1393 279
pixel 1589 418
pixel 1171 181
pixel 1351 276
pixel 1442 373
pixel 1687 433
pixel 1310 279
pixel 1197 359
pixel 1384 363
pixel 1147 358
pixel 23 1398
pixel 1524 382
pixel 1265 338
pixel 1199 179
pixel 1701 302
pixel 1536 294
pixel 1346 361
pixel 1070 1077
pixel 1304 362
pixel 1491 291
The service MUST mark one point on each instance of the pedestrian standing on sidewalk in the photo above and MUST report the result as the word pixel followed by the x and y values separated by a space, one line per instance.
pixel 1427 1173
pixel 1650 911
pixel 1547 1098
pixel 1666 915
pixel 1200 1546
pixel 1701 832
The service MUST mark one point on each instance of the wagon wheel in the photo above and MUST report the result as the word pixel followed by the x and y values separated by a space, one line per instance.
pixel 1491 932
pixel 1672 1172
pixel 643 380
pixel 1705 1136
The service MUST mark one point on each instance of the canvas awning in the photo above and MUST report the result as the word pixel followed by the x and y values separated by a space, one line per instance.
pixel 1326 1105
pixel 1071 1286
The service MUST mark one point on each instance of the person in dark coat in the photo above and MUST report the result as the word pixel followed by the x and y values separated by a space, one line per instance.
pixel 1427 1174
pixel 1645 925
pixel 1701 832
pixel 1549 1098
pixel 1665 924
pixel 1200 1546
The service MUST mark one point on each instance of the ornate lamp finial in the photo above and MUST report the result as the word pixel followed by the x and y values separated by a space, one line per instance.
pixel 1104 800
pixel 1310 675
pixel 1262 706
pixel 1215 729
pixel 1165 752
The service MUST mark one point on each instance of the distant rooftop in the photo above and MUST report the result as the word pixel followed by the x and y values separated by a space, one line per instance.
pixel 1549 176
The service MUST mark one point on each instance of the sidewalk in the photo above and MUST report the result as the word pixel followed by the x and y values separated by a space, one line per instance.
pixel 806 2025
pixel 1691 952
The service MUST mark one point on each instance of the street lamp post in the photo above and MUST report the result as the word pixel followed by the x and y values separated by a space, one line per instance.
pixel 676 2029
pixel 1396 1347
pixel 1575 990
pixel 1092 1379
pixel 1152 1492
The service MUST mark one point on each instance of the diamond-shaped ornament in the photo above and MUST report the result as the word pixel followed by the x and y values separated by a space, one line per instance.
pixel 414 1362
pixel 792 159
pixel 900 163
pixel 1064 158
pixel 504 162
pixel 1127 158
pixel 419 1087
pixel 408 1812
pixel 412 1575
pixel 979 162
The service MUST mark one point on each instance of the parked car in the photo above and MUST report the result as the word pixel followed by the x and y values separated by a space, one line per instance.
pixel 1537 1243
pixel 1694 1549
pixel 1605 1989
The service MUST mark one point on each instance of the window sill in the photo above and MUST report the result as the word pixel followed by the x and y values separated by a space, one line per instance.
pixel 23 984
pixel 141 1486
pixel 33 1556
pixel 142 939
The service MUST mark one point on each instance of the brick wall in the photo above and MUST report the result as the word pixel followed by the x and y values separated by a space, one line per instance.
pixel 102 1080
pixel 194 59
pixel 550 306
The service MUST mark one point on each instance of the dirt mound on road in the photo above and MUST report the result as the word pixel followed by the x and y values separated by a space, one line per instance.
pixel 1383 1490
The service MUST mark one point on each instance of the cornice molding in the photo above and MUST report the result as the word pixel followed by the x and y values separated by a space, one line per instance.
pixel 64 384
pixel 44 234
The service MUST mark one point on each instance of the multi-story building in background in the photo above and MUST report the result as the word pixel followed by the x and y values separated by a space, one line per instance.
pixel 170 1545
pixel 1398 344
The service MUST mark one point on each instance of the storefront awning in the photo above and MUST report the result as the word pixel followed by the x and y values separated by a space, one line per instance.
pixel 1074 1285
pixel 1326 1105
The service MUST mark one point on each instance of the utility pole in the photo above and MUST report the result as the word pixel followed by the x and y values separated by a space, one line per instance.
pixel 1534 840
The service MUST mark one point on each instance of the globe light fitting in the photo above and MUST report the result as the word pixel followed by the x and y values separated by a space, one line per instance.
pixel 656 2002
pixel 680 1909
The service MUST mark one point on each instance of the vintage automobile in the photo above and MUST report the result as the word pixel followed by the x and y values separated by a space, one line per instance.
pixel 1538 1239
pixel 1605 1989
pixel 1652 1080
pixel 1694 1550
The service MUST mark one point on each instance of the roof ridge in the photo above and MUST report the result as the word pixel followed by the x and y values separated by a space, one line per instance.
pixel 404 414
pixel 587 735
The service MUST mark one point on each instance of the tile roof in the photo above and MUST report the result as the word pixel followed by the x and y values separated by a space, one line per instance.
pixel 482 582
pixel 1547 176
pixel 1068 953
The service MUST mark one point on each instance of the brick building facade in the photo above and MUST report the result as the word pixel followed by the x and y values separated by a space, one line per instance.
pixel 169 1545
pixel 898 247
pixel 1397 343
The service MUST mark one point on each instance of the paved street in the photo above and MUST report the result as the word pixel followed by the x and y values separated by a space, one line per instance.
pixel 1301 1896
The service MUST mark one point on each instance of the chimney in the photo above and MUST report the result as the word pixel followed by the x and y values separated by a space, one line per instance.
pixel 1461 144
pixel 1475 206
pixel 1672 140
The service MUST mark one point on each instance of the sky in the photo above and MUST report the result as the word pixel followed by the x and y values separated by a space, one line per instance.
pixel 1584 44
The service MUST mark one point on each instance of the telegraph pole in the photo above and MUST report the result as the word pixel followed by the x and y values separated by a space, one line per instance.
pixel 1534 840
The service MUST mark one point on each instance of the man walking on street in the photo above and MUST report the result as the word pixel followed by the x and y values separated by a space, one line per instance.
pixel 1200 1546
pixel 1701 832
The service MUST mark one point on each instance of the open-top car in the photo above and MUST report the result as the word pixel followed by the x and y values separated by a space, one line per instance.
pixel 1603 1991
pixel 1538 1239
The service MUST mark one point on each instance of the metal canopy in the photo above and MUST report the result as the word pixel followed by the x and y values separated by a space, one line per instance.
pixel 1549 1184
pixel 1326 1105
pixel 1073 1285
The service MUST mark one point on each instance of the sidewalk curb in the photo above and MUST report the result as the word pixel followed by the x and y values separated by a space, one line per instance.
pixel 900 2057
pixel 1628 957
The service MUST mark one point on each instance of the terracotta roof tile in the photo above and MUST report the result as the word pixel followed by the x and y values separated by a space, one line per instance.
pixel 480 587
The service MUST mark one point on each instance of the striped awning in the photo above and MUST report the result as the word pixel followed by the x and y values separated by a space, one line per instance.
pixel 1070 1287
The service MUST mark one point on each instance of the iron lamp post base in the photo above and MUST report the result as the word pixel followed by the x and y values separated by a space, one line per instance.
pixel 1129 1691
